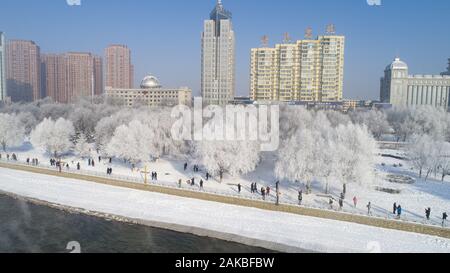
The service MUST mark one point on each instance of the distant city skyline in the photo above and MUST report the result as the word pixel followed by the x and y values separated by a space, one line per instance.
pixel 168 46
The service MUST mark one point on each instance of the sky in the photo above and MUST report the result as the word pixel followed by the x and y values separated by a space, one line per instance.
pixel 164 36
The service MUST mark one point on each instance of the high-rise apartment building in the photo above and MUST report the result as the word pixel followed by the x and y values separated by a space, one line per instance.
pixel 98 76
pixel 80 75
pixel 54 77
pixel 72 75
pixel 23 75
pixel 3 93
pixel 218 57
pixel 310 70
pixel 119 69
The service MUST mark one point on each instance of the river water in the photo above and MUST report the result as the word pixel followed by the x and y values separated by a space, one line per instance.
pixel 29 228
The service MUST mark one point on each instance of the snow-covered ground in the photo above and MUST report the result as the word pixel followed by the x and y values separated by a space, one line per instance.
pixel 414 198
pixel 286 229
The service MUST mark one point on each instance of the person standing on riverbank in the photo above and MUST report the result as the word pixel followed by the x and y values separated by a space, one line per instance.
pixel 399 211
pixel 428 213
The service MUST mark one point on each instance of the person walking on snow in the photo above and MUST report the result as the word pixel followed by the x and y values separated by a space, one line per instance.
pixel 239 188
pixel 395 209
pixel 369 209
pixel 201 184
pixel 355 201
pixel 331 203
pixel 78 166
pixel 300 197
pixel 444 219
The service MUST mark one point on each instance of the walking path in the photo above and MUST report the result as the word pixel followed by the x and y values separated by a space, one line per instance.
pixel 332 215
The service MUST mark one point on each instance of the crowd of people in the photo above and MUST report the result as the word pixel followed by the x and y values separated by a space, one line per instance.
pixel 9 157
pixel 264 192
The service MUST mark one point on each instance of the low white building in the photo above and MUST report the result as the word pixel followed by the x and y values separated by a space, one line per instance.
pixel 402 90
pixel 151 93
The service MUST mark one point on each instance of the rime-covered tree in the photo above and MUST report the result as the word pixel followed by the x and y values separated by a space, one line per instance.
pixel 12 131
pixel 232 156
pixel 376 121
pixel 55 137
pixel 297 158
pixel 82 147
pixel 135 143
pixel 355 150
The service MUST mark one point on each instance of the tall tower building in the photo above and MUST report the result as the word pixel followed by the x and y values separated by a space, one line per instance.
pixel 119 70
pixel 3 93
pixel 218 57
pixel 310 70
pixel 23 65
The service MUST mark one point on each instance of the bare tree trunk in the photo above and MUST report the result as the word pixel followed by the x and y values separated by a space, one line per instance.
pixel 428 174
pixel 308 187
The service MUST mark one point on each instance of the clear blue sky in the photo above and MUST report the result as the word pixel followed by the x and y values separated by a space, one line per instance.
pixel 165 35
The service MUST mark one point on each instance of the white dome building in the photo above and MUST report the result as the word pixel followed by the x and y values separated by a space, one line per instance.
pixel 151 93
pixel 150 82
pixel 397 64
pixel 400 89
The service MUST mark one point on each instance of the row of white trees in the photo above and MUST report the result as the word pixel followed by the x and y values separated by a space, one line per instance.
pixel 430 155
pixel 315 149
pixel 325 146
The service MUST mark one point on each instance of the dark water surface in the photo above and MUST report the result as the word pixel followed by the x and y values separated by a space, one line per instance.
pixel 26 227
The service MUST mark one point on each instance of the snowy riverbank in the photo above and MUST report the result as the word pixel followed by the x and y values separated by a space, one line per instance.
pixel 278 231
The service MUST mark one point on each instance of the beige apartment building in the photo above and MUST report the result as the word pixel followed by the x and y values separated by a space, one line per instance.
pixel 151 93
pixel 119 70
pixel 310 70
